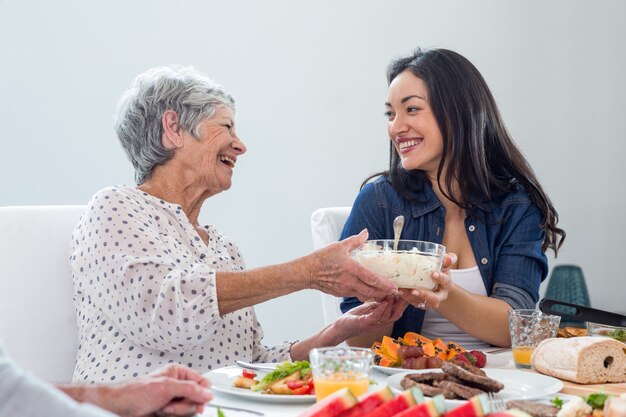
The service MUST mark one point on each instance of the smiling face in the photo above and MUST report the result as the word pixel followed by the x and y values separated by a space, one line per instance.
pixel 212 155
pixel 412 126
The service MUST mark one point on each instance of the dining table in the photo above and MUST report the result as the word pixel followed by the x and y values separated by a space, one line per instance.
pixel 235 405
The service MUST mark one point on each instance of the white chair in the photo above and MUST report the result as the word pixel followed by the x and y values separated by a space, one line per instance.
pixel 326 226
pixel 37 318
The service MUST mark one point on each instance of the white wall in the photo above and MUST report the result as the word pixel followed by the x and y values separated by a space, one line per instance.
pixel 309 79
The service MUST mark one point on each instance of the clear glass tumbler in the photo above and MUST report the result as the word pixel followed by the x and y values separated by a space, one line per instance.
pixel 338 367
pixel 528 328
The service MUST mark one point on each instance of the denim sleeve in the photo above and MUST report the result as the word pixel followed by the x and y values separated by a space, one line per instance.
pixel 365 214
pixel 516 297
pixel 521 263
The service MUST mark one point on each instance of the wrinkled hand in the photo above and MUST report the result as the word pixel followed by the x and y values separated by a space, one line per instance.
pixel 371 316
pixel 425 299
pixel 172 391
pixel 338 274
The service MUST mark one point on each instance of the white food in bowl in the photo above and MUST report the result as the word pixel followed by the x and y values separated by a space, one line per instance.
pixel 405 268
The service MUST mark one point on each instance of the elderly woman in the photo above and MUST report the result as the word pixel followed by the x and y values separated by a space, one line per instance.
pixel 153 286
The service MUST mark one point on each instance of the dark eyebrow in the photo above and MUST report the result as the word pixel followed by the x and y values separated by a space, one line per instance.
pixel 405 99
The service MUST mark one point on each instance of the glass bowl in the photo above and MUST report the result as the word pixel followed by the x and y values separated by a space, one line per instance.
pixel 410 266
pixel 595 329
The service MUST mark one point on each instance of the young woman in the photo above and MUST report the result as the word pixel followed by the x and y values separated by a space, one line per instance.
pixel 458 179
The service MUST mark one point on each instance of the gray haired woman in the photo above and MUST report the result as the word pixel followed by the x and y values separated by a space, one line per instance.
pixel 153 286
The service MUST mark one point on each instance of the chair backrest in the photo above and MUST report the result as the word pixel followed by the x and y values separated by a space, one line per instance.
pixel 326 226
pixel 37 318
pixel 567 283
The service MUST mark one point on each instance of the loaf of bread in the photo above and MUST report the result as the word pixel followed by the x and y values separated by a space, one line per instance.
pixel 585 360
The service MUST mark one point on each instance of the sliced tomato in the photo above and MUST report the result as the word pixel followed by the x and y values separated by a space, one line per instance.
pixel 295 384
pixel 311 387
pixel 248 374
pixel 304 389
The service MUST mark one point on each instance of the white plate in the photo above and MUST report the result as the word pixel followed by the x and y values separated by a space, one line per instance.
pixel 222 381
pixel 518 385
pixel 493 361
pixel 391 371
pixel 548 400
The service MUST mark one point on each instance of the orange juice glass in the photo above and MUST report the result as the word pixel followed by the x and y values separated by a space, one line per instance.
pixel 340 367
pixel 327 385
pixel 521 355
pixel 528 328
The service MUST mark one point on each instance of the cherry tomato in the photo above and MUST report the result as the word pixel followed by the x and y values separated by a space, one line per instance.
pixel 304 389
pixel 295 384
pixel 248 374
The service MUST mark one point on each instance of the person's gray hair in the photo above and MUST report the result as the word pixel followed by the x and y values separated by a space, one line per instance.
pixel 138 119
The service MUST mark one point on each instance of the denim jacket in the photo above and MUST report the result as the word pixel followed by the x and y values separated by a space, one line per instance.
pixel 505 235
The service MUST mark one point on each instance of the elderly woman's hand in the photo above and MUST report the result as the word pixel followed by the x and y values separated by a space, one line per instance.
pixel 335 272
pixel 368 318
pixel 425 299
pixel 371 316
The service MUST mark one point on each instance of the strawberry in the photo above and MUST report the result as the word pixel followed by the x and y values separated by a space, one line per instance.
pixel 471 358
pixel 460 357
pixel 481 358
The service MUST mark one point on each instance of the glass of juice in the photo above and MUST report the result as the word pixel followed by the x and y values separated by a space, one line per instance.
pixel 339 367
pixel 528 328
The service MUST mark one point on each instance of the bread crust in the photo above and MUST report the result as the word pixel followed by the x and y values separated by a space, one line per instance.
pixel 584 360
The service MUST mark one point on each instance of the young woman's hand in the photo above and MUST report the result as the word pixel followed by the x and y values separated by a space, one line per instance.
pixel 425 299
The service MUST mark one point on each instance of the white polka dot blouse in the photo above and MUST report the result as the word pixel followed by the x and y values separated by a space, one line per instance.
pixel 144 292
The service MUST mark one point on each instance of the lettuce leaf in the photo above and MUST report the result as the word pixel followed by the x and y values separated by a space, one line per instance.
pixel 596 400
pixel 618 334
pixel 557 402
pixel 282 371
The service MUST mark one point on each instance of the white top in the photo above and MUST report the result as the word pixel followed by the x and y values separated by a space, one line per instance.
pixel 437 326
pixel 145 295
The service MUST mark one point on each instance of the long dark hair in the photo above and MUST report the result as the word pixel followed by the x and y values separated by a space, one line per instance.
pixel 481 156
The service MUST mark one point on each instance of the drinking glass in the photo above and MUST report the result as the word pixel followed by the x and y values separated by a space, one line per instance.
pixel 528 328
pixel 338 367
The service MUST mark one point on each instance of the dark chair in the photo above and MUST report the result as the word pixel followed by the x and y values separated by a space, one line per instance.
pixel 567 283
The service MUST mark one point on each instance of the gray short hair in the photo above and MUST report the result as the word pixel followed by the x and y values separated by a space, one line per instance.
pixel 191 94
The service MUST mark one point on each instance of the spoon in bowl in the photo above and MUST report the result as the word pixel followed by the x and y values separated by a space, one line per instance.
pixel 398 224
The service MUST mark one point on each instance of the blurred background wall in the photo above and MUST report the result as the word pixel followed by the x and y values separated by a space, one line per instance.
pixel 309 80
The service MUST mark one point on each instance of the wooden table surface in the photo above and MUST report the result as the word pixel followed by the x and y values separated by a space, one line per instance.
pixel 580 389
